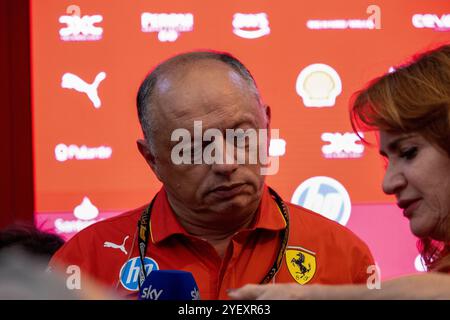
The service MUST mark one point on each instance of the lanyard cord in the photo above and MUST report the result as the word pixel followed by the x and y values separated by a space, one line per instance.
pixel 285 237
pixel 144 232
pixel 143 235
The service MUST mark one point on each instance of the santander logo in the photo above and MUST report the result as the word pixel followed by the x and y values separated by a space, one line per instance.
pixel 85 210
pixel 86 213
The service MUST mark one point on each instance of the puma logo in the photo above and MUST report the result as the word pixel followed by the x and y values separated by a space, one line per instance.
pixel 72 81
pixel 108 244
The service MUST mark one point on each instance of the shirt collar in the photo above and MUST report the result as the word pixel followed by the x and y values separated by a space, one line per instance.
pixel 269 216
pixel 164 223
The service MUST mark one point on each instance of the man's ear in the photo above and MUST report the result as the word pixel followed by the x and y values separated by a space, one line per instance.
pixel 268 113
pixel 149 157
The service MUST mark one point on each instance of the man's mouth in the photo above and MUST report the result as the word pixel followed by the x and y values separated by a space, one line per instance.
pixel 227 191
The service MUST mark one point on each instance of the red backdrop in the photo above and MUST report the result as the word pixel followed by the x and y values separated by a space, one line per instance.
pixel 276 40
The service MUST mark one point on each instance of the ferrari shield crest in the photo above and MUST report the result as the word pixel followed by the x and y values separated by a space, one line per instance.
pixel 301 264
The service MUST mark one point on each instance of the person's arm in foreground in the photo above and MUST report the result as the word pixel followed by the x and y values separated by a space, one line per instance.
pixel 421 286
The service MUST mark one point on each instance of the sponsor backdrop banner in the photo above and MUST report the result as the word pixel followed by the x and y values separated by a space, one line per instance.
pixel 308 57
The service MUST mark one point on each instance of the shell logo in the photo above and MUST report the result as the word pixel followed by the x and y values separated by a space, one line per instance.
pixel 318 85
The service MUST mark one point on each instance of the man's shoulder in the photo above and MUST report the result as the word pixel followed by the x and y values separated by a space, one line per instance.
pixel 87 242
pixel 308 216
pixel 331 243
pixel 119 223
pixel 315 223
pixel 107 229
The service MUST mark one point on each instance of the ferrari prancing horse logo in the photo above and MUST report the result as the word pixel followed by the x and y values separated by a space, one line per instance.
pixel 301 264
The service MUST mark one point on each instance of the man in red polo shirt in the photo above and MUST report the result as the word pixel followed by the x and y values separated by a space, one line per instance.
pixel 213 217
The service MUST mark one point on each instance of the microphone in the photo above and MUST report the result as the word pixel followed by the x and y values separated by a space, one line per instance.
pixel 169 285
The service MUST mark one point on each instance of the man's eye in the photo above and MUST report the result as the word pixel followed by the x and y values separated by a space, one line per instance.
pixel 409 153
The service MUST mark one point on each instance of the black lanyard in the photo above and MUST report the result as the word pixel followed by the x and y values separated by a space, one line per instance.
pixel 144 231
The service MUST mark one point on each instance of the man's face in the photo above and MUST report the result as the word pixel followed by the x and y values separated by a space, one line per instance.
pixel 211 92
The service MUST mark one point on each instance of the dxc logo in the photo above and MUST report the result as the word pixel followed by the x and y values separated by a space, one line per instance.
pixel 129 273
pixel 326 196
pixel 340 145
pixel 80 28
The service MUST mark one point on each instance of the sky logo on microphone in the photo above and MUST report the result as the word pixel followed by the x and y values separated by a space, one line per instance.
pixel 195 294
pixel 150 294
pixel 325 196
pixel 169 285
pixel 129 273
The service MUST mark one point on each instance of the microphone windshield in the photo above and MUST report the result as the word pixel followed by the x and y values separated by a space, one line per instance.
pixel 169 285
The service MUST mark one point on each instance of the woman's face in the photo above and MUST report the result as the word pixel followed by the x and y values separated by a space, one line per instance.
pixel 418 174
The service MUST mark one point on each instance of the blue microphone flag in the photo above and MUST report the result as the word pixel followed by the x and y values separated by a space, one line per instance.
pixel 169 285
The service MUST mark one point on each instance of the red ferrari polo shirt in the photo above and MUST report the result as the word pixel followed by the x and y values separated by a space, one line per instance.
pixel 319 251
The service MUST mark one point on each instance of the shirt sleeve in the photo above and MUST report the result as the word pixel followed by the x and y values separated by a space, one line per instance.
pixel 74 253
pixel 363 263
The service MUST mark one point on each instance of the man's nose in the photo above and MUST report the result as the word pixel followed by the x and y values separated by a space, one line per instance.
pixel 394 180
pixel 224 169
pixel 227 162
